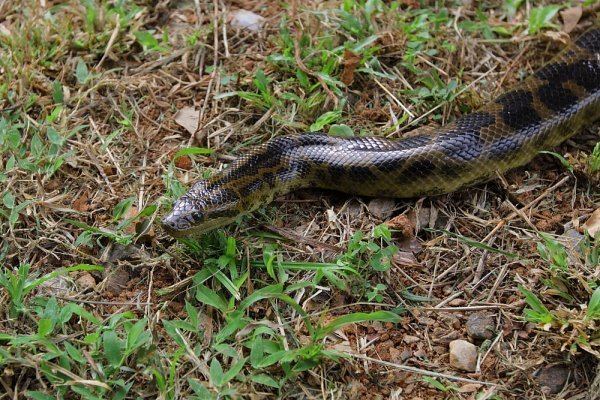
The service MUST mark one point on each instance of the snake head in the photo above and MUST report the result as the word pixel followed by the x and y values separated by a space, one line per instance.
pixel 203 208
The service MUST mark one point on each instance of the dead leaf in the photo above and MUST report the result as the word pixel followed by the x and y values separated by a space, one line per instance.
pixel 403 225
pixel 86 281
pixel 382 208
pixel 351 61
pixel 184 162
pixel 411 3
pixel 560 37
pixel 405 258
pixel 244 19
pixel 188 117
pixel 117 278
pixel 469 388
pixel 592 225
pixel 571 17
pixel 81 203
pixel 4 29
pixel 129 214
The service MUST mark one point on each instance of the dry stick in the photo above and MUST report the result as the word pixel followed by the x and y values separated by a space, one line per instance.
pixel 497 283
pixel 145 68
pixel 288 234
pixel 421 371
pixel 449 299
pixel 470 308
pixel 149 294
pixel 103 303
pixel 481 263
pixel 111 41
pixel 434 275
pixel 9 391
pixel 200 364
pixel 224 26
pixel 394 98
pixel 513 215
pixel 432 65
pixel 481 359
pixel 96 163
pixel 96 131
pixel 521 214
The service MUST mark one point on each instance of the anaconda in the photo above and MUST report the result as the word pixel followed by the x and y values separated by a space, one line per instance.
pixel 542 111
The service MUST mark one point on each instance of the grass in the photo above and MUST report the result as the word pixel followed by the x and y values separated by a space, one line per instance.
pixel 97 302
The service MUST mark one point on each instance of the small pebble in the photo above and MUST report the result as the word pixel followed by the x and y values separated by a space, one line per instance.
pixel 244 19
pixel 408 339
pixel 85 281
pixel 405 355
pixel 553 378
pixel 480 326
pixel 463 355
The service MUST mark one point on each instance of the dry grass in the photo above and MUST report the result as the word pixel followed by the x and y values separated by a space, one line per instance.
pixel 457 255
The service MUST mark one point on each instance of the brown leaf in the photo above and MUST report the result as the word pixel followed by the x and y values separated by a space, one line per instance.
pixel 571 17
pixel 382 208
pixel 4 29
pixel 117 278
pixel 411 3
pixel 130 213
pixel 592 225
pixel 403 225
pixel 244 19
pixel 81 203
pixel 188 117
pixel 184 162
pixel 351 61
pixel 469 388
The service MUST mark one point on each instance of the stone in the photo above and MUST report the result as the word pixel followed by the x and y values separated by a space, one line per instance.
pixel 408 339
pixel 405 355
pixel 553 378
pixel 85 281
pixel 480 326
pixel 245 19
pixel 463 355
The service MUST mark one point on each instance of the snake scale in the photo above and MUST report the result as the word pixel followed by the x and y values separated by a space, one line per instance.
pixel 542 111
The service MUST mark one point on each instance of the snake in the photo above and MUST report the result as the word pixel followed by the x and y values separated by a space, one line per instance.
pixel 538 113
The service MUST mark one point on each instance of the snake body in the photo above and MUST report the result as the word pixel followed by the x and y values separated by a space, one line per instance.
pixel 542 111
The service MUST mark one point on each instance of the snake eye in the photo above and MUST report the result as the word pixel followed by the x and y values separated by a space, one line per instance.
pixel 196 216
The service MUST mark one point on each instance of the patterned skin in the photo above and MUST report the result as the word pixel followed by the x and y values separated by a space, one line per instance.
pixel 541 112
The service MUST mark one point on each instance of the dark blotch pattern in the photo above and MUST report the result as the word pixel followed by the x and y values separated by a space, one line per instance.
pixel 517 109
pixel 421 166
pixel 590 41
pixel 360 173
pixel 556 97
pixel 585 73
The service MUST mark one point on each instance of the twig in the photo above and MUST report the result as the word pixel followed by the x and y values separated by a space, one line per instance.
pixel 286 233
pixel 104 303
pixel 406 110
pixel 421 371
pixel 470 308
pixel 111 41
